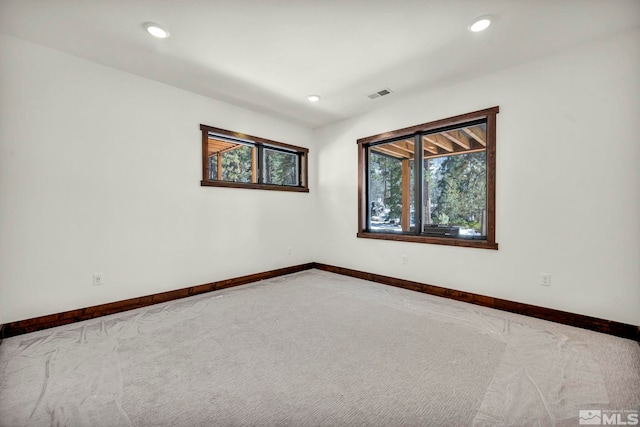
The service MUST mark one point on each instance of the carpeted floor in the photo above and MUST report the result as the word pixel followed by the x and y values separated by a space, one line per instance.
pixel 314 348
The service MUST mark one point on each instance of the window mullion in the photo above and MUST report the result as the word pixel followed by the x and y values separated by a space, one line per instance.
pixel 418 183
pixel 260 162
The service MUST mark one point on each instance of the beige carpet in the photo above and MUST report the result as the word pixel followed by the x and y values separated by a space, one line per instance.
pixel 311 349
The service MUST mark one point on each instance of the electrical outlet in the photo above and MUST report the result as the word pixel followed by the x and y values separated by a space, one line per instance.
pixel 98 279
pixel 405 260
pixel 545 279
pixel 289 250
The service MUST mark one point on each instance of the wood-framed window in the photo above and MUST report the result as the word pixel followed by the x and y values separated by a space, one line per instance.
pixel 232 159
pixel 431 183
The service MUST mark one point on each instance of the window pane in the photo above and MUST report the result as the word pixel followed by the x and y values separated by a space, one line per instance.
pixel 280 168
pixel 236 164
pixel 213 166
pixel 229 161
pixel 455 185
pixel 390 183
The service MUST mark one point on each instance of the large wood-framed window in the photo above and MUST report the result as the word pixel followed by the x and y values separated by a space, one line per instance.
pixel 431 183
pixel 232 159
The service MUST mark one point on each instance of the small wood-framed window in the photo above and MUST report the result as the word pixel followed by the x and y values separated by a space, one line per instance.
pixel 232 159
pixel 431 183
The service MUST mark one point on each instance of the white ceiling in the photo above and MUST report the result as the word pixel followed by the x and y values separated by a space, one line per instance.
pixel 267 55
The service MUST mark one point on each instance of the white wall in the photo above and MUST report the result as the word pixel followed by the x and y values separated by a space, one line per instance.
pixel 568 184
pixel 100 172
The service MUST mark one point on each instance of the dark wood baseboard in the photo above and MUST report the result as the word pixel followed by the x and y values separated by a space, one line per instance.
pixel 52 320
pixel 586 322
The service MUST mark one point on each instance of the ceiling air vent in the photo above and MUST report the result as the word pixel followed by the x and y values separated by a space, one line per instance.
pixel 380 93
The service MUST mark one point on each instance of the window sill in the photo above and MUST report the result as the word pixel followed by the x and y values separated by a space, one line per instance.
pixel 253 186
pixel 480 244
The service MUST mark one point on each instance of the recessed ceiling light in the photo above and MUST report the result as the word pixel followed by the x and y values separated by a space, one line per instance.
pixel 156 30
pixel 313 98
pixel 480 24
